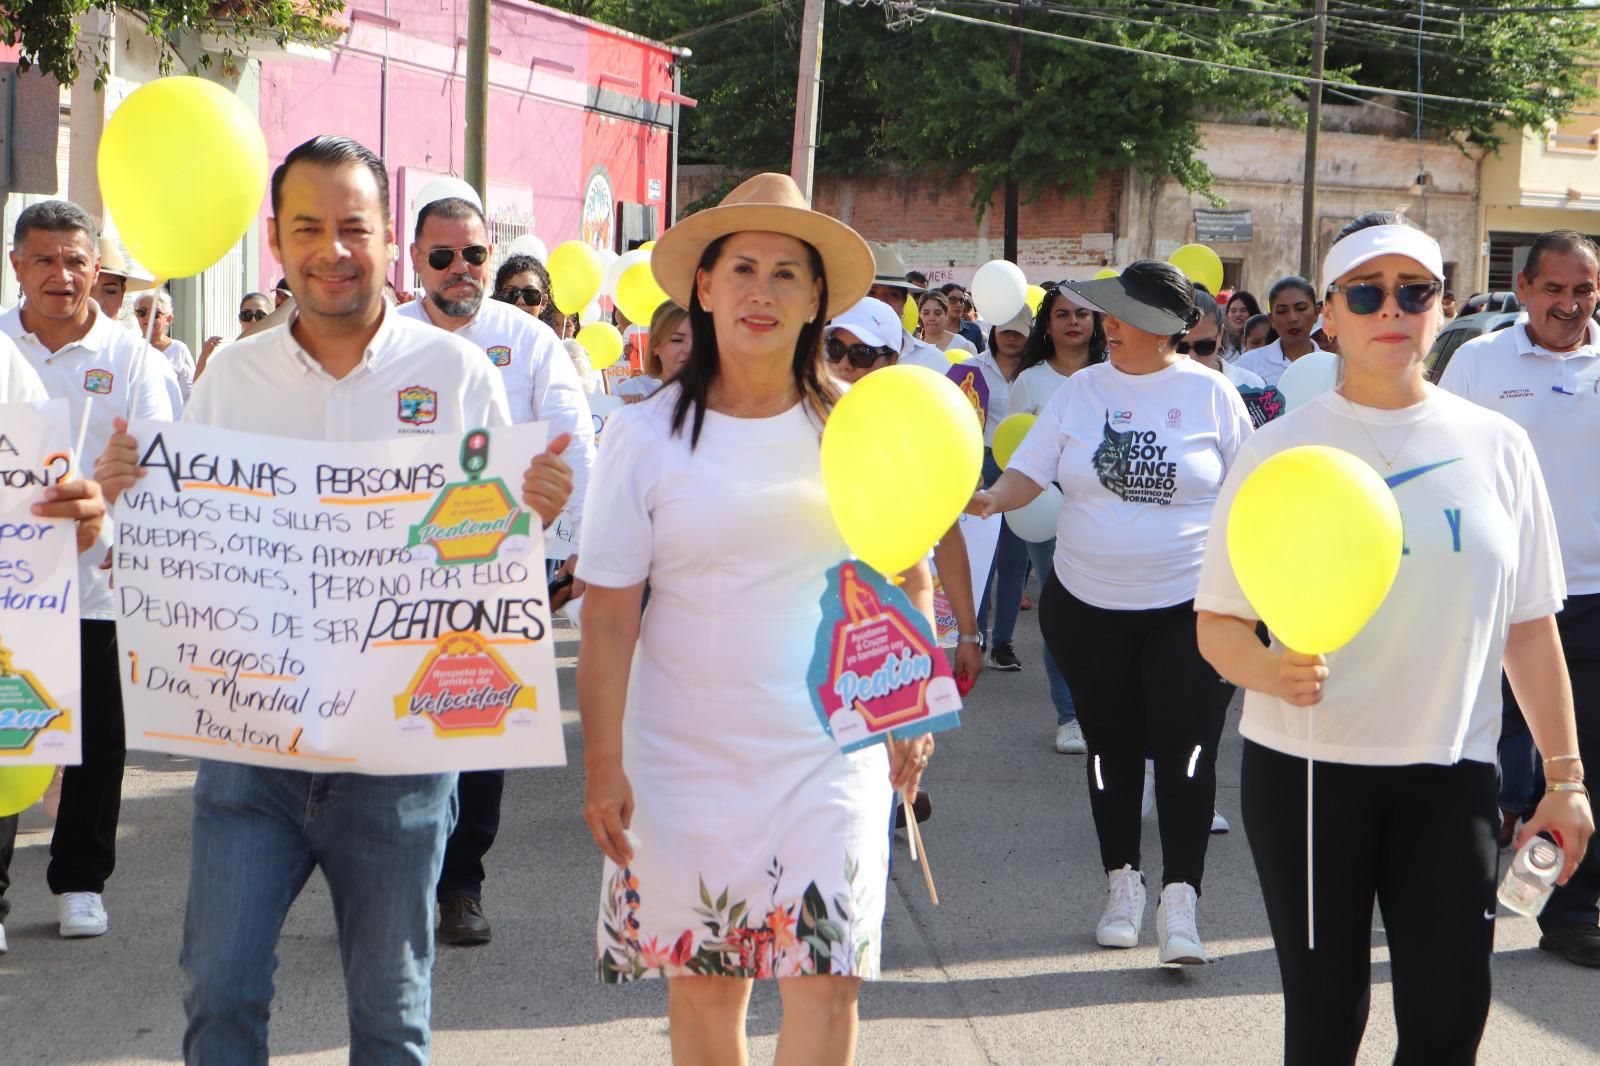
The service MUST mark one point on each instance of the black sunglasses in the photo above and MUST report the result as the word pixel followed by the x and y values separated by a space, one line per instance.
pixel 1200 348
pixel 861 356
pixel 251 316
pixel 528 294
pixel 474 254
pixel 1413 299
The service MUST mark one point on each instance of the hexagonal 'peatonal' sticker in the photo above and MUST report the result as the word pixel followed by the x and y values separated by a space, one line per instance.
pixel 26 709
pixel 469 520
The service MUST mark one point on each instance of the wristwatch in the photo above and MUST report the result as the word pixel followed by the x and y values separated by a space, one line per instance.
pixel 969 638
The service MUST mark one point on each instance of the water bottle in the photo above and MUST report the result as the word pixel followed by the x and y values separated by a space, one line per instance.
pixel 1532 877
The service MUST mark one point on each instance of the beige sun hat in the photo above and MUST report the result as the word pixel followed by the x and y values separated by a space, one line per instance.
pixel 769 203
pixel 112 261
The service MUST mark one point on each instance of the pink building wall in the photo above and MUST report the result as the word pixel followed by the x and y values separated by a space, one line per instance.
pixel 568 104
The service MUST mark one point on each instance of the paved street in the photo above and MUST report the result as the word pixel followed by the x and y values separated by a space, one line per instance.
pixel 1005 971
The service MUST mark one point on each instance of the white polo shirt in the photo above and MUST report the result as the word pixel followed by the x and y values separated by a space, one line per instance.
pixel 18 382
pixel 1268 361
pixel 541 384
pixel 412 379
pixel 921 353
pixel 102 365
pixel 1555 396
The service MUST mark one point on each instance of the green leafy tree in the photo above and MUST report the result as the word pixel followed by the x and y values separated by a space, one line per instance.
pixel 47 30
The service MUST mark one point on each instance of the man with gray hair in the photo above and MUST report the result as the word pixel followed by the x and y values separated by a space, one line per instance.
pixel 452 252
pixel 83 356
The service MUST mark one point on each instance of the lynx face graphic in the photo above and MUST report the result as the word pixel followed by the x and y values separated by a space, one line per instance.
pixel 1111 459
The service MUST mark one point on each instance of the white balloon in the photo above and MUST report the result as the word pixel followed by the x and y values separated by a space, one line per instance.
pixel 614 272
pixel 590 313
pixel 1036 522
pixel 528 244
pixel 999 290
pixel 1307 378
pixel 443 188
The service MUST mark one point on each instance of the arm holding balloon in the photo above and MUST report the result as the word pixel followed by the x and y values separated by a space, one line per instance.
pixel 610 631
pixel 1011 491
pixel 1537 670
pixel 1231 646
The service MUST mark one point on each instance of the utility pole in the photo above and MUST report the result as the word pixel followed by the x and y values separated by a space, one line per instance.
pixel 1010 251
pixel 1308 207
pixel 804 158
pixel 477 133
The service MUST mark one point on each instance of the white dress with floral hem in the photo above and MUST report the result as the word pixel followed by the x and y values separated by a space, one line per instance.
pixel 763 851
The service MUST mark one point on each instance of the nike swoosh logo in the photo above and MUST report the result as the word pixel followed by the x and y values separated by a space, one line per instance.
pixel 1394 481
pixel 1488 915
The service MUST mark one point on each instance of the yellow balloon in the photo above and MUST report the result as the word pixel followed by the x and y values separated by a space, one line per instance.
pixel 1035 297
pixel 1315 539
pixel 638 295
pixel 1008 435
pixel 646 246
pixel 603 343
pixel 575 275
pixel 1106 272
pixel 901 454
pixel 910 316
pixel 180 211
pixel 21 787
pixel 957 355
pixel 1201 265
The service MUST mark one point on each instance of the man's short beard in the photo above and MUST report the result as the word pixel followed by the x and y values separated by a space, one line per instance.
pixel 458 308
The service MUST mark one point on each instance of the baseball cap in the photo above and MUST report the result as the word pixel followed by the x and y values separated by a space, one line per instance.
pixel 873 321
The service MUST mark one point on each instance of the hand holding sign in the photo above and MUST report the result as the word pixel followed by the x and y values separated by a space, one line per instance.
pixel 547 484
pixel 117 468
pixel 78 500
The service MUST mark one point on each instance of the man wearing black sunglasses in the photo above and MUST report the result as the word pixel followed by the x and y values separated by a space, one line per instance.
pixel 452 253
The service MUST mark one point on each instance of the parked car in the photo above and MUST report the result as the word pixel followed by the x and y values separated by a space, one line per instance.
pixel 1460 330
pixel 1489 301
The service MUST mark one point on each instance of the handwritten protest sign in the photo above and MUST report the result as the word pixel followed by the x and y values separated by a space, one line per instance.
pixel 39 679
pixel 876 666
pixel 982 537
pixel 358 607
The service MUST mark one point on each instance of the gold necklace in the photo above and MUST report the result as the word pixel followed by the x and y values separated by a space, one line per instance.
pixel 1387 462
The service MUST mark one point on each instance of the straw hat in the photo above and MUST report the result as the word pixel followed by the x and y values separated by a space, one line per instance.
pixel 769 203
pixel 112 261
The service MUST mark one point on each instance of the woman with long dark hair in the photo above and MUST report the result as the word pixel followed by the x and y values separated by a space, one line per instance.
pixel 522 281
pixel 1066 337
pixel 740 842
pixel 1292 306
pixel 1408 712
pixel 1241 308
pixel 1140 445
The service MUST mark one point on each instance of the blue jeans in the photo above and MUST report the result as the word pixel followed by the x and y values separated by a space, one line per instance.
pixel 258 834
pixel 1006 574
pixel 1042 555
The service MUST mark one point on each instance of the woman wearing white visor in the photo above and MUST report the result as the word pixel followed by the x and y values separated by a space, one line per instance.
pixel 1407 713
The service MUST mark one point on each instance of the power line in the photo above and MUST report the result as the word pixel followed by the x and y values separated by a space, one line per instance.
pixel 1215 64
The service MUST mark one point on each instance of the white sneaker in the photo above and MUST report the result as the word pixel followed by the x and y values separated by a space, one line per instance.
pixel 1148 804
pixel 82 914
pixel 1069 738
pixel 1176 936
pixel 4 947
pixel 1219 824
pixel 1124 914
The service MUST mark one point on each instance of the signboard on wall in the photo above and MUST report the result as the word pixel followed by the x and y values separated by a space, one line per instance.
pixel 1223 227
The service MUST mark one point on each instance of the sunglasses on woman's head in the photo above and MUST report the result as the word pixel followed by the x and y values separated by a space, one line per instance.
pixel 861 356
pixel 1200 348
pixel 527 294
pixel 1414 298
pixel 473 254
pixel 251 316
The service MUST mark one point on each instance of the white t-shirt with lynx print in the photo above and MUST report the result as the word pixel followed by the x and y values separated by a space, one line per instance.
pixel 1140 459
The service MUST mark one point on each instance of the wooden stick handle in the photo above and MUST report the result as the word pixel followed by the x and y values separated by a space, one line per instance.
pixel 922 857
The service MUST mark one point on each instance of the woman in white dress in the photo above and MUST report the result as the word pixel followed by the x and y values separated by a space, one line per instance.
pixel 739 842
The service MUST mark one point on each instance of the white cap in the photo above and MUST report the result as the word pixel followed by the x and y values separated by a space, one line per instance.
pixel 1374 241
pixel 873 321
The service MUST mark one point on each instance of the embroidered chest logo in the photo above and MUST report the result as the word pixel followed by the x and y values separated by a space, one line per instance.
pixel 500 355
pixel 418 405
pixel 98 382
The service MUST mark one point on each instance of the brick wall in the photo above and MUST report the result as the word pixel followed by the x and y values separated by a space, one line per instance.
pixel 930 221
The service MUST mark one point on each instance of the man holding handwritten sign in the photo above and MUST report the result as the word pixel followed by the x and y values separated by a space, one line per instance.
pixel 343 368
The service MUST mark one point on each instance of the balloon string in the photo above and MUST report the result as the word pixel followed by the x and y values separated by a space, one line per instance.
pixel 138 363
pixel 1311 906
